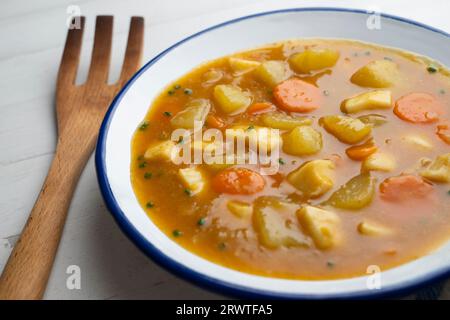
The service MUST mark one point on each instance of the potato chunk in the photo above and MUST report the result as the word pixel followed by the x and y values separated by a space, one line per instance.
pixel 357 193
pixel 278 120
pixel 378 162
pixel 321 225
pixel 241 66
pixel 379 99
pixel 313 59
pixel 269 219
pixel 313 178
pixel 439 169
pixel 346 129
pixel 369 228
pixel 240 209
pixel 262 137
pixel 160 151
pixel 192 179
pixel 231 99
pixel 376 74
pixel 418 141
pixel 272 72
pixel 195 110
pixel 302 140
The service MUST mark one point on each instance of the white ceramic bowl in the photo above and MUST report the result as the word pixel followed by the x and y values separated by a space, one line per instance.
pixel 131 104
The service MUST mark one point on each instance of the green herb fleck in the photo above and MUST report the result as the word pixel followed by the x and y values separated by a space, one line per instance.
pixel 177 86
pixel 177 233
pixel 326 92
pixel 180 140
pixel 201 221
pixel 143 125
pixel 442 91
pixel 150 205
pixel 188 192
pixel 432 69
pixel 222 246
pixel 250 127
pixel 171 92
pixel 448 192
pixel 281 161
pixel 148 175
pixel 330 264
pixel 143 164
pixel 187 91
pixel 140 157
pixel 167 113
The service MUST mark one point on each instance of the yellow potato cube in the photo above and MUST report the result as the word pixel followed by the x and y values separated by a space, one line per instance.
pixel 379 99
pixel 262 137
pixel 313 59
pixel 376 74
pixel 302 140
pixel 346 129
pixel 195 110
pixel 439 169
pixel 278 120
pixel 369 228
pixel 231 99
pixel 241 66
pixel 378 162
pixel 160 151
pixel 272 72
pixel 313 178
pixel 240 209
pixel 418 141
pixel 271 226
pixel 192 179
pixel 321 225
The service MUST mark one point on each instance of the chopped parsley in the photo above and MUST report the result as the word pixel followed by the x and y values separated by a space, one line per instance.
pixel 188 192
pixel 326 92
pixel 177 233
pixel 167 113
pixel 250 127
pixel 222 246
pixel 330 264
pixel 150 205
pixel 143 125
pixel 187 91
pixel 171 92
pixel 148 175
pixel 201 221
pixel 143 164
pixel 432 68
pixel 281 161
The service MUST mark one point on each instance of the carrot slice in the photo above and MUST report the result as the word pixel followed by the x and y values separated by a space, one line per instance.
pixel 362 151
pixel 297 96
pixel 443 132
pixel 418 107
pixel 238 181
pixel 404 187
pixel 260 107
pixel 214 122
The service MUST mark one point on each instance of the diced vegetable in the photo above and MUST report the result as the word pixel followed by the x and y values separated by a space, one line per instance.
pixel 160 151
pixel 195 110
pixel 231 99
pixel 272 227
pixel 439 169
pixel 404 188
pixel 192 179
pixel 418 107
pixel 443 132
pixel 272 72
pixel 241 66
pixel 314 178
pixel 418 141
pixel 379 99
pixel 238 181
pixel 264 138
pixel 362 151
pixel 370 228
pixel 296 95
pixel 214 121
pixel 240 209
pixel 376 74
pixel 357 193
pixel 346 129
pixel 302 140
pixel 260 107
pixel 378 162
pixel 278 120
pixel 375 120
pixel 322 225
pixel 313 59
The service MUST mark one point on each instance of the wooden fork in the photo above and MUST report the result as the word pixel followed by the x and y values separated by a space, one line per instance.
pixel 80 110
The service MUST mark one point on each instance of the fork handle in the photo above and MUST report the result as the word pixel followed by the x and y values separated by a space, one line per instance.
pixel 27 271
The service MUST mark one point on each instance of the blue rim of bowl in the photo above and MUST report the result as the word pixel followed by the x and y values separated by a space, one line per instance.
pixel 198 278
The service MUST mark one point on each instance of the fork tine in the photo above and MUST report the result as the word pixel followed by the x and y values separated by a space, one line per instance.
pixel 101 53
pixel 71 55
pixel 133 53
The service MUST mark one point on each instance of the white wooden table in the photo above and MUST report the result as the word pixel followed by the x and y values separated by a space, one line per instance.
pixel 32 36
